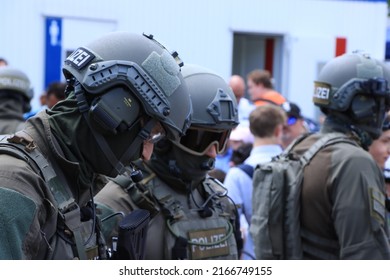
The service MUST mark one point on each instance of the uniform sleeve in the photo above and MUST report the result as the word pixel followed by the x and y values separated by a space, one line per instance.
pixel 358 208
pixel 17 213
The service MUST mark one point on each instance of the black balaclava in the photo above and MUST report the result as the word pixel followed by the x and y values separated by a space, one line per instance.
pixel 171 162
pixel 79 143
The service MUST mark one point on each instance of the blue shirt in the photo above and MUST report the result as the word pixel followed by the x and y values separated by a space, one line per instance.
pixel 222 161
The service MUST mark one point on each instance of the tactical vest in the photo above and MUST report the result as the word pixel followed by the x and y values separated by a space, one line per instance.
pixel 207 232
pixel 63 233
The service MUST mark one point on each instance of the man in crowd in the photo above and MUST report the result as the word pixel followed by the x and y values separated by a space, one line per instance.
pixel 261 89
pixel 266 124
pixel 245 106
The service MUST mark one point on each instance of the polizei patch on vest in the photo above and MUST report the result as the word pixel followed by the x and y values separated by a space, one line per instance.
pixel 79 58
pixel 213 246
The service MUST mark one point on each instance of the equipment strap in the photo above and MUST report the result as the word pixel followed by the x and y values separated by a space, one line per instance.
pixel 248 169
pixel 69 211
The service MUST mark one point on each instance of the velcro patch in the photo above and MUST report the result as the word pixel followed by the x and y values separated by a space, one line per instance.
pixel 321 93
pixel 164 70
pixel 79 58
pixel 377 203
pixel 209 236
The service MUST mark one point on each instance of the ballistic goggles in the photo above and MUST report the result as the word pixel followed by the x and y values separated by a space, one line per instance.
pixel 198 141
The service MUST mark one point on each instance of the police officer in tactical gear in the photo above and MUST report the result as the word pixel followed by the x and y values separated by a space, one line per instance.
pixel 125 91
pixel 343 197
pixel 15 97
pixel 191 215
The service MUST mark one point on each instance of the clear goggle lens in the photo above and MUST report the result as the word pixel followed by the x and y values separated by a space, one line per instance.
pixel 157 133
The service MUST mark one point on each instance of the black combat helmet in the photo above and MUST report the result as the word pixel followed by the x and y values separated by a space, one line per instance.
pixel 356 87
pixel 143 66
pixel 214 116
pixel 125 83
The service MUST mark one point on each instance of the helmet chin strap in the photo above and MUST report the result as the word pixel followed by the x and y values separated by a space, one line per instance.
pixel 131 150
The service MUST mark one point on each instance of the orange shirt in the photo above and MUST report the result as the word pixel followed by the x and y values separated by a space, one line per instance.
pixel 273 96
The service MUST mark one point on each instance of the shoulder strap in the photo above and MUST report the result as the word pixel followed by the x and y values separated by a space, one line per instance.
pixel 139 194
pixel 248 169
pixel 24 148
pixel 123 181
pixel 326 140
pixel 171 206
pixel 295 142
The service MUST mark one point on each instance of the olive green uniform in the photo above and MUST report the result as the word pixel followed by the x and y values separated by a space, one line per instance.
pixel 30 227
pixel 161 242
pixel 342 203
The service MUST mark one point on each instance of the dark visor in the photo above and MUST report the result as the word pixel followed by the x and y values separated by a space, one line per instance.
pixel 199 140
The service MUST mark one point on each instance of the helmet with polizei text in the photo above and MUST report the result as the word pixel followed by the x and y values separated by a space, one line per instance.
pixel 127 86
pixel 15 81
pixel 144 68
pixel 355 86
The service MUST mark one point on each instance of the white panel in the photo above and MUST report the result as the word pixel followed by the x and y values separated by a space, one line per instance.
pixel 78 32
pixel 201 31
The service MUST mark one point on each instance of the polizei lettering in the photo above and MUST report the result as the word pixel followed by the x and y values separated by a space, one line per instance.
pixel 80 57
pixel 214 242
pixel 209 239
pixel 321 92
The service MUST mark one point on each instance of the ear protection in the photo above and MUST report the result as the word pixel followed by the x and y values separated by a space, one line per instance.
pixel 363 108
pixel 115 111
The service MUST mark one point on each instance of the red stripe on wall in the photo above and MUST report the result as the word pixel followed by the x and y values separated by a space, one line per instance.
pixel 269 54
pixel 341 46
